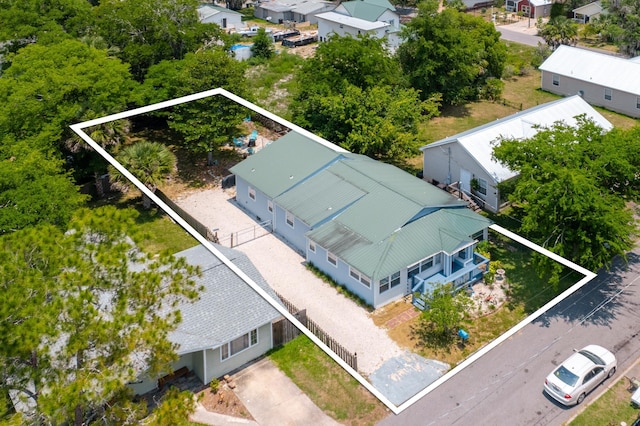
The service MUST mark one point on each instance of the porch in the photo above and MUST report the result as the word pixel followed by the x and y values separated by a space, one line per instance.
pixel 462 274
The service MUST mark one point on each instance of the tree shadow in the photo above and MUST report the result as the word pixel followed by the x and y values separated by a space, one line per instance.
pixel 597 302
pixel 426 336
pixel 456 111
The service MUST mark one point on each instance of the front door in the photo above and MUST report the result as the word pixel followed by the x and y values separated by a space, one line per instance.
pixel 465 180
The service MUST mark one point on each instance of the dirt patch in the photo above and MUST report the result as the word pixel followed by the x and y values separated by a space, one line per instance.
pixel 225 401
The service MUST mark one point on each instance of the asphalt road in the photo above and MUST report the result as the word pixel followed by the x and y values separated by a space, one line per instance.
pixel 519 36
pixel 505 385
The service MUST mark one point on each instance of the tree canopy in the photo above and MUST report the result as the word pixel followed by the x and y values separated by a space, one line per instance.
pixel 572 187
pixel 149 31
pixel 83 313
pixel 626 15
pixel 150 162
pixel 352 94
pixel 559 30
pixel 209 123
pixel 450 53
pixel 48 88
pixel 34 188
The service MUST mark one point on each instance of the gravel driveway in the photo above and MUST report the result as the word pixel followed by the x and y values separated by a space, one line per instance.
pixel 284 270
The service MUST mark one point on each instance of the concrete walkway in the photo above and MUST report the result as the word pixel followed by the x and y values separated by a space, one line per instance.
pixel 271 398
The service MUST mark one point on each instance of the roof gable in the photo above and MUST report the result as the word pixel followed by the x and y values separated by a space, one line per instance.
pixel 479 142
pixel 369 10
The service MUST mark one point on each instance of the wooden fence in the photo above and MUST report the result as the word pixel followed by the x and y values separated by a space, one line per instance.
pixel 286 332
pixel 198 226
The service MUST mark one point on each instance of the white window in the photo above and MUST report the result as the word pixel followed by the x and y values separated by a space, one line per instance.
pixel 426 264
pixel 384 285
pixel 556 80
pixel 638 102
pixel 389 282
pixel 358 276
pixel 526 10
pixel 332 259
pixel 270 206
pixel 482 186
pixel 238 345
pixel 289 219
pixel 252 193
pixel 312 246
pixel 608 94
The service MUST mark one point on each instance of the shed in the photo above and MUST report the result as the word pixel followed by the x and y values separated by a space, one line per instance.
pixel 469 155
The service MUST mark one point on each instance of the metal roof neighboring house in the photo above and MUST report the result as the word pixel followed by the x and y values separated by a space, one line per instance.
pixel 276 6
pixel 221 314
pixel 310 7
pixel 593 67
pixel 361 24
pixel 538 3
pixel 479 142
pixel 207 11
pixel 591 9
pixel 367 10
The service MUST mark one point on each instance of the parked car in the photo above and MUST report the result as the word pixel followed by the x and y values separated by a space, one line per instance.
pixel 580 374
pixel 252 31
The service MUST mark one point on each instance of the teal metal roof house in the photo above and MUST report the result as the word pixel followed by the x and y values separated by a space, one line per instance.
pixel 372 227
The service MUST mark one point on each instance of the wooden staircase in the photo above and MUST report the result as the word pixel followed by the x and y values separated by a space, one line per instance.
pixel 474 203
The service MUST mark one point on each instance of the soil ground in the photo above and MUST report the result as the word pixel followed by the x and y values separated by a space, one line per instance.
pixel 225 402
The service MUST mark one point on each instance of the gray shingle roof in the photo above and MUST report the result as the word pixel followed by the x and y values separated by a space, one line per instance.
pixel 227 308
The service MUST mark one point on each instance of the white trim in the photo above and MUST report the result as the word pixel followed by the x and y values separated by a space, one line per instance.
pixel 330 257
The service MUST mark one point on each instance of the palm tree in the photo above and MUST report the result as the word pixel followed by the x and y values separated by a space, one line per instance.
pixel 150 162
pixel 559 30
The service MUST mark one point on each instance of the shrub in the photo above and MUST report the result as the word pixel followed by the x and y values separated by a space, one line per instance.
pixel 214 385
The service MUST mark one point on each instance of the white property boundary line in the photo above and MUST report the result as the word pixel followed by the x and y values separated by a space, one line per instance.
pixel 79 129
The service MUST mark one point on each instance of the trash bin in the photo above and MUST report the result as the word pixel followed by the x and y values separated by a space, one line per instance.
pixel 463 335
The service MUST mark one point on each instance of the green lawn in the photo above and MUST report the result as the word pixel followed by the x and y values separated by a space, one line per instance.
pixel 330 387
pixel 612 408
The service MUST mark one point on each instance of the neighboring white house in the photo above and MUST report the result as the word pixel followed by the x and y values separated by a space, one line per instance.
pixel 584 14
pixel 602 80
pixel 469 155
pixel 375 17
pixel 223 17
pixel 533 9
pixel 373 228
pixel 227 327
pixel 281 11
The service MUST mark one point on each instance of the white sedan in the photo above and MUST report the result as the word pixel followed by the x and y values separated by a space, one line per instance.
pixel 580 374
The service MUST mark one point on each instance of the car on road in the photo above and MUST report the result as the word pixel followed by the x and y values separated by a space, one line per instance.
pixel 580 374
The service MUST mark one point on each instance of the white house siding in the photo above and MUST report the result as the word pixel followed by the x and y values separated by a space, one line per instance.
pixel 392 294
pixel 258 207
pixel 225 20
pixel 444 164
pixel 622 102
pixel 217 368
pixel 148 384
pixel 294 235
pixel 340 274
pixel 326 29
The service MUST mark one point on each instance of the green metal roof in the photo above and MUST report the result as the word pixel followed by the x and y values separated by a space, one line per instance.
pixel 365 10
pixel 442 231
pixel 372 215
pixel 284 163
pixel 320 197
